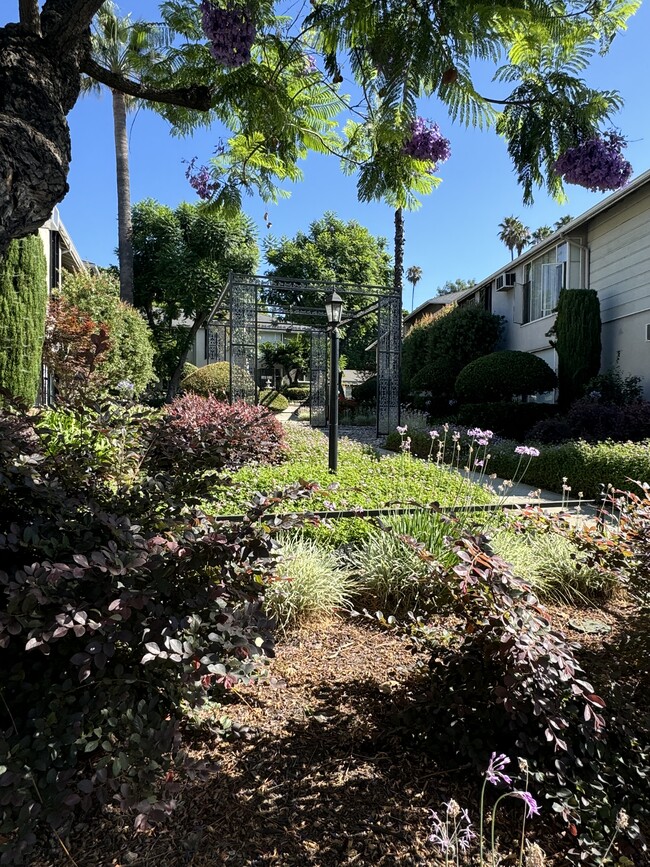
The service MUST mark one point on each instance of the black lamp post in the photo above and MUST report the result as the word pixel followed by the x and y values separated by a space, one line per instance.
pixel 334 311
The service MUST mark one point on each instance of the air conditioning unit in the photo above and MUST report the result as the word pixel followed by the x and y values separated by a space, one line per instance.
pixel 506 281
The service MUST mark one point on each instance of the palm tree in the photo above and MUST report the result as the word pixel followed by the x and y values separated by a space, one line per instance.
pixel 413 275
pixel 541 233
pixel 563 221
pixel 514 235
pixel 128 48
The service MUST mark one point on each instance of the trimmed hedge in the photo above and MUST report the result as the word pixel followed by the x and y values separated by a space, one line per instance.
pixel 273 400
pixel 512 420
pixel 296 392
pixel 214 380
pixel 502 375
pixel 23 302
pixel 587 467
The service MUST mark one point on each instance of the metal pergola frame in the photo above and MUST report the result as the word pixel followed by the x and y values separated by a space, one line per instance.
pixel 235 317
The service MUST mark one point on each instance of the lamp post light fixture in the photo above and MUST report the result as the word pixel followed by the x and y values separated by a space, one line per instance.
pixel 334 311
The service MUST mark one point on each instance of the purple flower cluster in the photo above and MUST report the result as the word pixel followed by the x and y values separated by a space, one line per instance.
pixel 529 451
pixel 201 180
pixel 494 771
pixel 596 164
pixel 448 841
pixel 231 31
pixel 427 143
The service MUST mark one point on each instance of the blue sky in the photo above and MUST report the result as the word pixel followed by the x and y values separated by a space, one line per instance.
pixel 454 234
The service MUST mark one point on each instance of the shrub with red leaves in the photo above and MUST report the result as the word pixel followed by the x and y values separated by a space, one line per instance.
pixel 202 433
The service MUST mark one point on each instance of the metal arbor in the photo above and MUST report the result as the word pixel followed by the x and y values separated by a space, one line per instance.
pixel 233 326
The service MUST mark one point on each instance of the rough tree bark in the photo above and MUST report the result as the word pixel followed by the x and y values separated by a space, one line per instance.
pixel 40 73
pixel 125 247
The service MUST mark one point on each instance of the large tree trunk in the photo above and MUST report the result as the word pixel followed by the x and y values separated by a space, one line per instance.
pixel 124 228
pixel 38 87
pixel 398 281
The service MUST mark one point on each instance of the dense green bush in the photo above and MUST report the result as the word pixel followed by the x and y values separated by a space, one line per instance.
pixel 512 420
pixel 296 392
pixel 273 400
pixel 106 623
pixel 433 355
pixel 612 387
pixel 130 352
pixel 366 392
pixel 23 304
pixel 503 375
pixel 188 369
pixel 588 467
pixel 214 380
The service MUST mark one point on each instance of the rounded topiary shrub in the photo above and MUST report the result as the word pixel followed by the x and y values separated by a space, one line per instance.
pixel 365 392
pixel 296 392
pixel 214 380
pixel 273 400
pixel 502 375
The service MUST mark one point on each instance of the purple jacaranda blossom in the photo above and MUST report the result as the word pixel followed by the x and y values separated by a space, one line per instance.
pixel 494 772
pixel 401 430
pixel 529 801
pixel 529 451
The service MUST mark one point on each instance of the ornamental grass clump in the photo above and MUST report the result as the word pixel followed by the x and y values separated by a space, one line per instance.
pixel 310 582
pixel 231 31
pixel 596 164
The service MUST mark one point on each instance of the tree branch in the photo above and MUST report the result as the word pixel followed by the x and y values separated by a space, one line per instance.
pixel 29 14
pixel 65 21
pixel 198 97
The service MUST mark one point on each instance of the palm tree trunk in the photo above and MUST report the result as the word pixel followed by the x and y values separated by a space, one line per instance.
pixel 125 240
pixel 398 281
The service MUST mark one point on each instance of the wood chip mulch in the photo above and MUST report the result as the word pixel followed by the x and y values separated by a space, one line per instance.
pixel 319 779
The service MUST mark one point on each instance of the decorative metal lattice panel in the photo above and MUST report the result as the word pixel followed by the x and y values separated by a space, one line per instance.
pixel 216 343
pixel 243 341
pixel 318 380
pixel 389 334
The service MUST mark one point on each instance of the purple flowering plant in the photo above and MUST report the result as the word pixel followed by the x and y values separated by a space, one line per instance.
pixel 231 31
pixel 427 143
pixel 596 163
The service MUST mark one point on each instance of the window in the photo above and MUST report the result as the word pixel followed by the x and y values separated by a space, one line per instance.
pixel 55 259
pixel 544 280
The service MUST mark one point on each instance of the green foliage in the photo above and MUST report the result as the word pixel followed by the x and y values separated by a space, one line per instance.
pixel 434 354
pixel 393 573
pixel 23 304
pixel 310 583
pixel 366 392
pixel 588 467
pixel 511 420
pixel 554 567
pixel 450 287
pixel 188 368
pixel 577 341
pixel 336 251
pixel 273 400
pixel 292 355
pixel 363 481
pixel 507 681
pixel 182 258
pixel 130 352
pixel 612 387
pixel 504 375
pixel 112 612
pixel 214 379
pixel 296 392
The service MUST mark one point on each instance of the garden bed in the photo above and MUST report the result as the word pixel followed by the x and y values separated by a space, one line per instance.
pixel 322 776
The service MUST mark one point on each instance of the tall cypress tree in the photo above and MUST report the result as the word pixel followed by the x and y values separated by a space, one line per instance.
pixel 577 341
pixel 23 304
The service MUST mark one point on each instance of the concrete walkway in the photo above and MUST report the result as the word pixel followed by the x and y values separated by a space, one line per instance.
pixel 521 494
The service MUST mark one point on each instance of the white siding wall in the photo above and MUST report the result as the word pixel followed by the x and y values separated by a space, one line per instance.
pixel 619 242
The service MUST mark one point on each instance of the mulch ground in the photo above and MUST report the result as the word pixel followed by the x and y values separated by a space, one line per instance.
pixel 318 778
